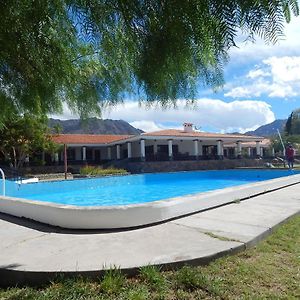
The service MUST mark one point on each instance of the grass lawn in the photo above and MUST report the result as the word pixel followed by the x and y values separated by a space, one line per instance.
pixel 271 270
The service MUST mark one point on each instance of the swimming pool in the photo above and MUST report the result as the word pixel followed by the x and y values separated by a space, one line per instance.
pixel 134 189
pixel 134 200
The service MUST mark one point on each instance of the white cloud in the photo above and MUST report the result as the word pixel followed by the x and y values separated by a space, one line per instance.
pixel 250 89
pixel 289 45
pixel 146 126
pixel 275 77
pixel 257 73
pixel 66 115
pixel 206 113
pixel 239 92
pixel 284 69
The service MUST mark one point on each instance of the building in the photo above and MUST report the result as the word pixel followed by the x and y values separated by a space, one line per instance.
pixel 170 144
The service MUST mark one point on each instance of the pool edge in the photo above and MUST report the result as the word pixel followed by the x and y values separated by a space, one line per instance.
pixel 136 215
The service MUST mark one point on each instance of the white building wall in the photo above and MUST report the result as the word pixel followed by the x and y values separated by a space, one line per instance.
pixel 185 147
pixel 135 149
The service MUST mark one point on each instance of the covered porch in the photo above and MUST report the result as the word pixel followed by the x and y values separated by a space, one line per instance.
pixel 161 147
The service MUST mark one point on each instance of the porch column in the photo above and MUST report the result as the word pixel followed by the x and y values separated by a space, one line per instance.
pixel 200 149
pixel 155 148
pixel 84 153
pixel 258 148
pixel 273 152
pixel 261 151
pixel 170 149
pixel 118 152
pixel 239 148
pixel 109 153
pixel 196 149
pixel 143 153
pixel 129 155
pixel 249 151
pixel 220 150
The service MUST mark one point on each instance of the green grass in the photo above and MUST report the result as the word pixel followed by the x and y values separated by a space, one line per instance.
pixel 98 171
pixel 271 270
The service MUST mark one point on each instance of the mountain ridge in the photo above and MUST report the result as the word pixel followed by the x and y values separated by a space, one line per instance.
pixel 120 127
pixel 93 126
pixel 270 129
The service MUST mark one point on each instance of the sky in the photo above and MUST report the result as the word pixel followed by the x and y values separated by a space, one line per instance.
pixel 262 83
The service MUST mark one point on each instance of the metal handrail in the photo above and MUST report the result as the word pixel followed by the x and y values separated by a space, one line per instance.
pixel 3 178
pixel 11 173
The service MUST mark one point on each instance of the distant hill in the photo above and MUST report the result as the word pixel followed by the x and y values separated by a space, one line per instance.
pixel 94 126
pixel 268 129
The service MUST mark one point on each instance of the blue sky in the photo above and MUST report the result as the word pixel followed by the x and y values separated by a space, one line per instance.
pixel 262 83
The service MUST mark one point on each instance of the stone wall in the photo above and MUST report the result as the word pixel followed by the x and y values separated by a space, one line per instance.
pixel 50 169
pixel 157 166
pixel 171 166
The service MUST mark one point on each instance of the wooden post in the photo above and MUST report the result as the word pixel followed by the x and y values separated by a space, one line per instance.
pixel 65 160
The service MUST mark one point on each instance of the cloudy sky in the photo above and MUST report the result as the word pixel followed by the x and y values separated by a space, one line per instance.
pixel 262 84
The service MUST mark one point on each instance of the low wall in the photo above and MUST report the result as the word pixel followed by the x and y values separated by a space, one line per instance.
pixel 50 169
pixel 158 166
pixel 173 166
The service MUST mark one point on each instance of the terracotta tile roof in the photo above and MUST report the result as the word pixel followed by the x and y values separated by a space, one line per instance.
pixel 87 138
pixel 181 133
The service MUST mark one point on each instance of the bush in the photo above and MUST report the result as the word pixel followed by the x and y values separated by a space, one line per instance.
pixel 98 171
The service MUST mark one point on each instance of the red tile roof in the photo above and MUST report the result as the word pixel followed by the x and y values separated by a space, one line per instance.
pixel 181 133
pixel 87 138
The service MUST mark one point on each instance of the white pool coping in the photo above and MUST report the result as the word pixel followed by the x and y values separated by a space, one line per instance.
pixel 135 215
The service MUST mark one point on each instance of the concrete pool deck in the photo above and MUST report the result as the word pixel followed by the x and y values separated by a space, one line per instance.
pixel 33 253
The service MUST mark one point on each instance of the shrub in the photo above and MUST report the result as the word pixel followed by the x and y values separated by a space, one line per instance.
pixel 98 171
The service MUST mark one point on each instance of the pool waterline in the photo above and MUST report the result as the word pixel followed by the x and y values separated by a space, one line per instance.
pixel 137 189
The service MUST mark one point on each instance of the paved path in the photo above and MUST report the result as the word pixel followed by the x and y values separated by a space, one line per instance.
pixel 32 252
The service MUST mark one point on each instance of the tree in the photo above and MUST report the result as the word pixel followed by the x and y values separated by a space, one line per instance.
pixel 22 136
pixel 90 52
pixel 292 126
pixel 288 125
pixel 295 126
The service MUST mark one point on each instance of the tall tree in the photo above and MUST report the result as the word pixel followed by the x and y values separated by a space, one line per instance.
pixel 295 123
pixel 292 125
pixel 288 125
pixel 90 52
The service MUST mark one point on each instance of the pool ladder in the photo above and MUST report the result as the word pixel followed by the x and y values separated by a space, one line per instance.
pixel 3 184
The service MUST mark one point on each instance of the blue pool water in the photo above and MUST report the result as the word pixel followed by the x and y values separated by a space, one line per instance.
pixel 124 190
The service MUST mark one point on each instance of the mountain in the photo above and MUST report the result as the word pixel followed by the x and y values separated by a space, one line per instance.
pixel 93 126
pixel 268 129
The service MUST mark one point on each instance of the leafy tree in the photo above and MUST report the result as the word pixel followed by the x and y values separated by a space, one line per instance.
pixel 291 133
pixel 292 125
pixel 295 126
pixel 90 52
pixel 22 136
pixel 288 125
